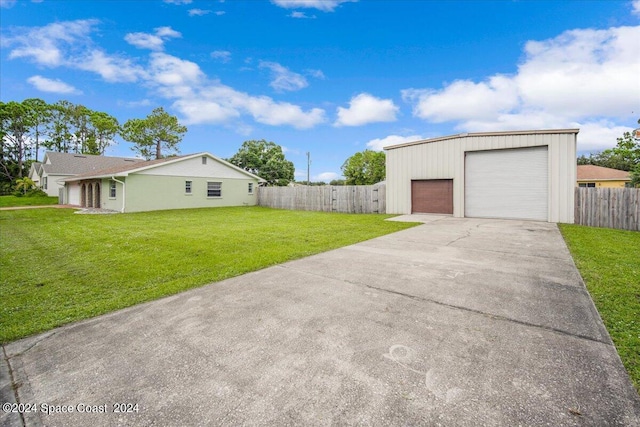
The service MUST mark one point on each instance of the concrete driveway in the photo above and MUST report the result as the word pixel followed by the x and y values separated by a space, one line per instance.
pixel 457 322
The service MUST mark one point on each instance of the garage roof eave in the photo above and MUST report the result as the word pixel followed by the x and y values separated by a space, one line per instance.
pixel 466 135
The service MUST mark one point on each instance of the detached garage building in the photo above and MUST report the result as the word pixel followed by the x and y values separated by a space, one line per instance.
pixel 513 175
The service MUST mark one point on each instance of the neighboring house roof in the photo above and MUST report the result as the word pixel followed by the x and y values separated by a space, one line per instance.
pixel 599 173
pixel 73 164
pixel 124 170
pixel 35 167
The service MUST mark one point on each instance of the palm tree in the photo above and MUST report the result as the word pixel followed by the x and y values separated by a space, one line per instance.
pixel 25 184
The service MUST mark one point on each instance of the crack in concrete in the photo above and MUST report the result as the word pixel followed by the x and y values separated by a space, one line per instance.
pixel 493 316
pixel 36 340
pixel 457 307
pixel 14 386
pixel 468 234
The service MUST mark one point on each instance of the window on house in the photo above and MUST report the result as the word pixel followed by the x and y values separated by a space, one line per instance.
pixel 251 188
pixel 187 187
pixel 112 189
pixel 214 189
pixel 204 160
pixel 587 184
pixel 44 182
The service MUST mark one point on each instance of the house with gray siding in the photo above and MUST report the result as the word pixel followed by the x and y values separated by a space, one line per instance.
pixel 191 181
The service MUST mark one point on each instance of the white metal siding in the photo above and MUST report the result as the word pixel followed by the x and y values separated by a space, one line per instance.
pixel 445 160
pixel 507 184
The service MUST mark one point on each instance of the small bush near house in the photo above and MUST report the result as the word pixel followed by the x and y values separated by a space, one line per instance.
pixel 610 266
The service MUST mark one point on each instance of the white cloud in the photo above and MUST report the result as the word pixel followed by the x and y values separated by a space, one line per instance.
pixel 325 177
pixel 54 86
pixel 464 99
pixel 205 111
pixel 217 103
pixel 198 12
pixel 284 79
pixel 110 67
pixel 365 108
pixel 198 98
pixel 318 74
pixel 301 15
pixel 635 7
pixel 597 136
pixel 221 55
pixel 324 5
pixel 134 104
pixel 152 41
pixel 167 32
pixel 171 71
pixel 69 44
pixel 7 4
pixel 267 111
pixel 178 2
pixel 205 101
pixel 379 143
pixel 50 44
pixel 587 77
pixel 220 12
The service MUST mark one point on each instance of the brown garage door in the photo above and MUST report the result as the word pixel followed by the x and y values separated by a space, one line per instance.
pixel 432 196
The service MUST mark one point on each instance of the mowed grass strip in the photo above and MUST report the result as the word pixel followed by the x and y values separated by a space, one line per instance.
pixel 58 267
pixel 13 201
pixel 609 262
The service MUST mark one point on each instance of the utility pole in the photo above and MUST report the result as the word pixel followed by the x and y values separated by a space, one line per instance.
pixel 308 167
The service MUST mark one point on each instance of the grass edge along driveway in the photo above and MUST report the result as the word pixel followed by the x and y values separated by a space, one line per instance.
pixel 59 267
pixel 608 262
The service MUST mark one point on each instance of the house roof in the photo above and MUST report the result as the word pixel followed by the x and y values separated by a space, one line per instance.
pixel 74 164
pixel 599 173
pixel 476 134
pixel 124 170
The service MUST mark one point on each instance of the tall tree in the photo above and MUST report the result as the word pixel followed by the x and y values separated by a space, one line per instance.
pixel 266 160
pixel 59 130
pixel 104 129
pixel 16 122
pixel 365 168
pixel 81 133
pixel 41 115
pixel 158 132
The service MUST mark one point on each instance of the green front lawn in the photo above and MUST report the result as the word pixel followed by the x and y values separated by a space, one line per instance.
pixel 10 201
pixel 609 262
pixel 58 267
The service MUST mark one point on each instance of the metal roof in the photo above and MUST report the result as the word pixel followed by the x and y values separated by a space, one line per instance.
pixel 480 134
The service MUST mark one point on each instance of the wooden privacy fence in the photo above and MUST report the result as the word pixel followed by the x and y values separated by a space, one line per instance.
pixel 326 198
pixel 608 207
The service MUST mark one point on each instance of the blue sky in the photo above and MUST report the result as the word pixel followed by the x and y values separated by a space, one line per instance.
pixel 332 77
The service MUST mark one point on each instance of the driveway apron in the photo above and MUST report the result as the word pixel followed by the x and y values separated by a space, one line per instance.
pixel 456 322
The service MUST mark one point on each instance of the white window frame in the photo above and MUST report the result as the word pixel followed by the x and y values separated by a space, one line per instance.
pixel 204 160
pixel 188 188
pixel 112 189
pixel 250 188
pixel 211 189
